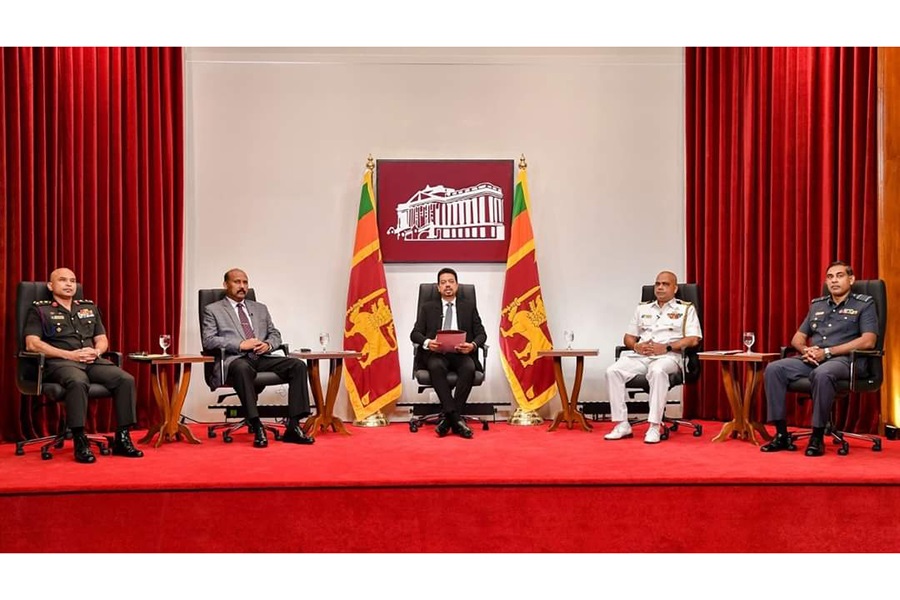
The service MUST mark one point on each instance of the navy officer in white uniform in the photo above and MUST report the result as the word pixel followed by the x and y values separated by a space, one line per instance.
pixel 656 336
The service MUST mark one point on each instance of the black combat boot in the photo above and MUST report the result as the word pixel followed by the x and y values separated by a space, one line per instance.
pixel 123 446
pixel 83 452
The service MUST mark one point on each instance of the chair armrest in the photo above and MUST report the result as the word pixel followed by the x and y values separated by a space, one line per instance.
pixel 416 348
pixel 30 386
pixel 113 357
pixel 484 353
pixel 785 351
pixel 854 354
pixel 619 350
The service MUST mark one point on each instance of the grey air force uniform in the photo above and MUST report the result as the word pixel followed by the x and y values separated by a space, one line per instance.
pixel 73 330
pixel 826 325
pixel 651 322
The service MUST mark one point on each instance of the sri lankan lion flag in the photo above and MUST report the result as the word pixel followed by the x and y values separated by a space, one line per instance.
pixel 373 380
pixel 523 319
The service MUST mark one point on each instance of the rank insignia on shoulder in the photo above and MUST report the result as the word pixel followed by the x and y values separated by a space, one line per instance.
pixel 83 301
pixel 862 297
pixel 819 299
pixel 41 303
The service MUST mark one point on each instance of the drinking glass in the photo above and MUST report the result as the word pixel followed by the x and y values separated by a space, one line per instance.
pixel 749 339
pixel 165 340
pixel 570 337
pixel 323 340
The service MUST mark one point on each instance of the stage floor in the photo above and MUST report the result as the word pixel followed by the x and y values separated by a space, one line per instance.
pixel 508 490
pixel 503 455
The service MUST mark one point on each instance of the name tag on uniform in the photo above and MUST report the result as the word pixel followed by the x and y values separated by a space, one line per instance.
pixel 820 313
pixel 57 317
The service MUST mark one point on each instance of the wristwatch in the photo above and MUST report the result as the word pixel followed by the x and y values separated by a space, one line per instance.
pixel 827 353
pixel 668 347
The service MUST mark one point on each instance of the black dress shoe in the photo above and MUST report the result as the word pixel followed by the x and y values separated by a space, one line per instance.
pixel 123 446
pixel 295 435
pixel 462 430
pixel 83 452
pixel 782 441
pixel 443 427
pixel 816 446
pixel 259 437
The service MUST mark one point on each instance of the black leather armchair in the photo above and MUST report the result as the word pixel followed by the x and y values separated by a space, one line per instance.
pixel 423 413
pixel 214 372
pixel 30 375
pixel 866 369
pixel 690 371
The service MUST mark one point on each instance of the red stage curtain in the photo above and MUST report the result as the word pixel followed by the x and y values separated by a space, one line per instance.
pixel 91 176
pixel 781 180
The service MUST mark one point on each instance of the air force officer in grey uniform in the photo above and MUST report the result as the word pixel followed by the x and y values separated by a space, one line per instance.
pixel 835 325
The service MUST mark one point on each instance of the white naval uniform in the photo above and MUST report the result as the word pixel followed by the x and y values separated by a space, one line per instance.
pixel 674 320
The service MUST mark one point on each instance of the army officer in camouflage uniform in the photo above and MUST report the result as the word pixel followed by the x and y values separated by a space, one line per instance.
pixel 70 333
pixel 835 325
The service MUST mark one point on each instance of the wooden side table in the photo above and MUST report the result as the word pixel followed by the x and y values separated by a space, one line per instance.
pixel 170 399
pixel 740 397
pixel 324 417
pixel 570 415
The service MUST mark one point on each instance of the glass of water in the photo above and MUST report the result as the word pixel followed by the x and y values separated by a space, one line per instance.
pixel 749 339
pixel 165 340
pixel 323 340
pixel 569 335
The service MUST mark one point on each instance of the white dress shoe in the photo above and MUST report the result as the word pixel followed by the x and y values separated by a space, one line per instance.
pixel 621 430
pixel 652 435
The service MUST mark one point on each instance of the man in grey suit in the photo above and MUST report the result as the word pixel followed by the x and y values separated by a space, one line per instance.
pixel 245 330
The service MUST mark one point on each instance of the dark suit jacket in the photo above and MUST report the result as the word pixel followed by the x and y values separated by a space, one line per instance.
pixel 431 317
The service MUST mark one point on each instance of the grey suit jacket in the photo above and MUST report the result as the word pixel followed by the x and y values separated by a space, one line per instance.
pixel 222 331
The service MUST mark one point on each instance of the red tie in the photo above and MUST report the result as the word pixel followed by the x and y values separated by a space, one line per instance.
pixel 245 322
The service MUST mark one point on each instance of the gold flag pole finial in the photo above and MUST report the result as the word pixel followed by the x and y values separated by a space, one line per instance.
pixel 522 164
pixel 370 163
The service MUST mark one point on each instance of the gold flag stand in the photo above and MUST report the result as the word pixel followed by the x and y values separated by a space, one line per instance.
pixel 376 419
pixel 525 418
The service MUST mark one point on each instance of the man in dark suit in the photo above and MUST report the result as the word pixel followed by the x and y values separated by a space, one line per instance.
pixel 245 330
pixel 450 312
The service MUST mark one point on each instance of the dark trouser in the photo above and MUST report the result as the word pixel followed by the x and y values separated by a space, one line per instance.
pixel 823 379
pixel 77 380
pixel 242 375
pixel 464 366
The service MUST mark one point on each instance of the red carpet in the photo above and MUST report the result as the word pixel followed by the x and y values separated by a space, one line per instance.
pixel 511 489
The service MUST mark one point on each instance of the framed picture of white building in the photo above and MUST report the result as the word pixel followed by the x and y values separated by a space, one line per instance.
pixel 444 210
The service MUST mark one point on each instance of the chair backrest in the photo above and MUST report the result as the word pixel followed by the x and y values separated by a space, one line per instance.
pixel 204 298
pixel 28 292
pixel 877 289
pixel 689 292
pixel 208 296
pixel 427 293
